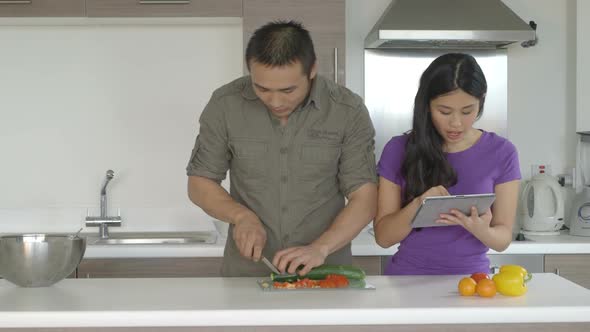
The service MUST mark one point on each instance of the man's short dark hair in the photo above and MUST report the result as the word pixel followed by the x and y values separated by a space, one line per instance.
pixel 280 43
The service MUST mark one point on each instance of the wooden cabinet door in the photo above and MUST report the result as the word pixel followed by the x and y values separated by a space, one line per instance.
pixel 324 19
pixel 370 264
pixel 38 8
pixel 534 263
pixel 572 267
pixel 164 8
pixel 165 267
pixel 173 267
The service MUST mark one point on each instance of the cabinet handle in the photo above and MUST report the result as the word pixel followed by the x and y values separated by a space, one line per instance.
pixel 557 271
pixel 164 2
pixel 15 2
pixel 336 64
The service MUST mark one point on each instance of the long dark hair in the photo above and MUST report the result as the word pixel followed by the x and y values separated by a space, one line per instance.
pixel 281 43
pixel 425 165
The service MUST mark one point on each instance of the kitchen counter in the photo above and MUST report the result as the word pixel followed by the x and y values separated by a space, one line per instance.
pixel 240 302
pixel 363 245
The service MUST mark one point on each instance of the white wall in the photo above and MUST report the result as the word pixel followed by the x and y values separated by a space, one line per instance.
pixel 541 87
pixel 541 80
pixel 78 100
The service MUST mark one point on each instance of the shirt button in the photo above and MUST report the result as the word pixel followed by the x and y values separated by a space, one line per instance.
pixel 284 179
pixel 284 150
pixel 284 209
pixel 285 238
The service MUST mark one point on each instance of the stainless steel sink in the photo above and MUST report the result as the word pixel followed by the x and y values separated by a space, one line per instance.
pixel 142 238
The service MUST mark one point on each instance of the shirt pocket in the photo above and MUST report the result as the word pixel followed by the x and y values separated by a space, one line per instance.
pixel 318 161
pixel 249 158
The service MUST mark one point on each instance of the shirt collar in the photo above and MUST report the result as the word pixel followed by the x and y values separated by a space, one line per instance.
pixel 314 94
pixel 313 98
pixel 248 90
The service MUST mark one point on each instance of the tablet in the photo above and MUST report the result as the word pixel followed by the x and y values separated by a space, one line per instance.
pixel 432 207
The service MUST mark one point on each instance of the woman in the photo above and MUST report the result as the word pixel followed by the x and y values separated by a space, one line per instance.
pixel 443 154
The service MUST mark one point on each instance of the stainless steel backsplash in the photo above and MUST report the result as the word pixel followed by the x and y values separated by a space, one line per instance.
pixel 391 82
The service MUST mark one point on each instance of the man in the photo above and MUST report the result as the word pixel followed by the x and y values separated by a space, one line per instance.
pixel 295 144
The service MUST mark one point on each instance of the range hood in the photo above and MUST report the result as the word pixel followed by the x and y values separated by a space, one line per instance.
pixel 450 24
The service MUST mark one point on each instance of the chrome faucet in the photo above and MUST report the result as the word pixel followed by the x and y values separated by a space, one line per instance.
pixel 104 221
pixel 103 193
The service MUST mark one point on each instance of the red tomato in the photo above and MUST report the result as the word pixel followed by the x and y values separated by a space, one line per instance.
pixel 331 281
pixel 327 284
pixel 339 280
pixel 479 276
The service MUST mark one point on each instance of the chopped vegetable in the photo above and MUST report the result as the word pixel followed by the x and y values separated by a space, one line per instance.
pixel 322 271
pixel 331 281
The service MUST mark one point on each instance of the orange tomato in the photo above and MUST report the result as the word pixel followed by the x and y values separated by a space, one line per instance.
pixel 467 286
pixel 479 276
pixel 486 288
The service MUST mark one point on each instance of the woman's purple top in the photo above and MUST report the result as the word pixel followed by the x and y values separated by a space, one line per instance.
pixel 492 160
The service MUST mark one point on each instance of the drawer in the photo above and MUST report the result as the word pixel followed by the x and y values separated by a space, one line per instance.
pixel 533 263
pixel 42 8
pixel 164 8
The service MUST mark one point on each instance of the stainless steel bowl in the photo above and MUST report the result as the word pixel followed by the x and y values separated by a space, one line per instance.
pixel 38 260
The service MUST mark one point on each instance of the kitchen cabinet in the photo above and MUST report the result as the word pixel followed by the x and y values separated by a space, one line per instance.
pixel 177 267
pixel 534 263
pixel 583 66
pixel 164 8
pixel 325 20
pixel 370 264
pixel 575 267
pixel 36 8
pixel 160 267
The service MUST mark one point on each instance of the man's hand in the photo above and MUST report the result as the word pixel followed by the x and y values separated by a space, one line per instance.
pixel 310 256
pixel 250 237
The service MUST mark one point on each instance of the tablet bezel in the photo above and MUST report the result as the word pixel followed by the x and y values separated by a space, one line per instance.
pixel 431 208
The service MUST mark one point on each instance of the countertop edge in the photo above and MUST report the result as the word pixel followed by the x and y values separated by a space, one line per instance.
pixel 64 306
pixel 370 316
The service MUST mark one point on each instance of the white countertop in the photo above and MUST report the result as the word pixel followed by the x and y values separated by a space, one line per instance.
pixel 363 245
pixel 240 302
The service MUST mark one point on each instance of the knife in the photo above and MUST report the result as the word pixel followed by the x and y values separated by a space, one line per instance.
pixel 269 265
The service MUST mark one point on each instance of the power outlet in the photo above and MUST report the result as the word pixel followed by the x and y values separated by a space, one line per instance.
pixel 540 169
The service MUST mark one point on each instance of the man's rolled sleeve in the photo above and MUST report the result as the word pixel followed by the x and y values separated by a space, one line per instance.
pixel 210 155
pixel 357 161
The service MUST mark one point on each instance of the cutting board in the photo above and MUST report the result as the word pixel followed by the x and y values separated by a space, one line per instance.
pixel 267 285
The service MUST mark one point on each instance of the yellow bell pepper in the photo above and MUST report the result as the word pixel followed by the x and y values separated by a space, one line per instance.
pixel 517 269
pixel 511 280
pixel 510 283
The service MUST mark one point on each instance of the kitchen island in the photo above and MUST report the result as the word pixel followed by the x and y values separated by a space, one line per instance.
pixel 399 303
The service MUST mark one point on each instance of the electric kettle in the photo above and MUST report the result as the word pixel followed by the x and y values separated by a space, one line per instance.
pixel 580 217
pixel 542 206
